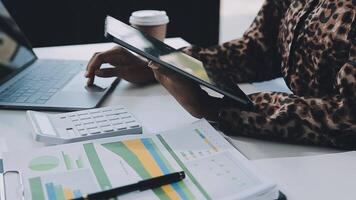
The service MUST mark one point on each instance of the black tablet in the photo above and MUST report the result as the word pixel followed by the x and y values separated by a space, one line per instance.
pixel 171 58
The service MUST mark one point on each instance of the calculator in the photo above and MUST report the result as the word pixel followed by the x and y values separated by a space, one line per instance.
pixel 82 125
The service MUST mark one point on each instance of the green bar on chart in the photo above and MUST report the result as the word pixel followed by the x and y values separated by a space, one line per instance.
pixel 59 192
pixel 97 167
pixel 121 150
pixel 79 162
pixel 67 161
pixel 36 188
pixel 185 169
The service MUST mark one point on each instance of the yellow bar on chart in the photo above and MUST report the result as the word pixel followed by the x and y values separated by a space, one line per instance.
pixel 68 194
pixel 139 149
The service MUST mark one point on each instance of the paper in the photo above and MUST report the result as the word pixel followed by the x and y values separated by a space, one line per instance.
pixel 176 42
pixel 3 146
pixel 327 177
pixel 275 85
pixel 68 171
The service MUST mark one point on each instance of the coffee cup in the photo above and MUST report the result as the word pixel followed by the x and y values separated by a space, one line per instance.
pixel 153 22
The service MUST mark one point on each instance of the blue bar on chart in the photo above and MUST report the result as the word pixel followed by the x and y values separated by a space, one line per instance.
pixel 1 166
pixel 58 192
pixel 51 193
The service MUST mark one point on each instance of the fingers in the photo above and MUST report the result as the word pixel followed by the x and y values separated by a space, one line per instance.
pixel 95 63
pixel 153 65
pixel 159 72
pixel 107 72
pixel 97 60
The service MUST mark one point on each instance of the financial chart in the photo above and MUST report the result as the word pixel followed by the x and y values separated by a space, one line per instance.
pixel 70 171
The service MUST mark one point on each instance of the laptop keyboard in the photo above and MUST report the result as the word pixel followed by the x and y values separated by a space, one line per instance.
pixel 38 85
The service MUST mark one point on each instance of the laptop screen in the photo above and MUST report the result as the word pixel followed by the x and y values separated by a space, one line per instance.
pixel 15 52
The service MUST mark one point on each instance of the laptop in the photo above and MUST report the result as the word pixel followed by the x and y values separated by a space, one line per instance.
pixel 27 82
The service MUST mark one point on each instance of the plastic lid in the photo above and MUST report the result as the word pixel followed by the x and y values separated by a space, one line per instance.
pixel 149 18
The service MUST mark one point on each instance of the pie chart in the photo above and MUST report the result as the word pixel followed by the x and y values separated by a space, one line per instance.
pixel 44 163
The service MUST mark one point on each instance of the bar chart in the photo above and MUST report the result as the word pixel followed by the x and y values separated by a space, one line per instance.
pixel 71 163
pixel 62 186
pixel 148 161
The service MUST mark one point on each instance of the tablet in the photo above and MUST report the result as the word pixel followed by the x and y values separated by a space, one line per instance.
pixel 171 58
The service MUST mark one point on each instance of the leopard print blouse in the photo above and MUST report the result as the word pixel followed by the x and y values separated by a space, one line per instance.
pixel 312 45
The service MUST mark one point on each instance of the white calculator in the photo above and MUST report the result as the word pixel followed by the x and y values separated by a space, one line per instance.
pixel 82 125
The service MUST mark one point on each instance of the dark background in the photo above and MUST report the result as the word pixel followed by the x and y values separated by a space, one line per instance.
pixel 63 22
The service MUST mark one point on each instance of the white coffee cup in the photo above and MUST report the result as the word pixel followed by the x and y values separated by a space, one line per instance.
pixel 153 22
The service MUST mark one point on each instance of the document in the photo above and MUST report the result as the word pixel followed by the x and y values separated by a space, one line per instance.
pixel 3 146
pixel 326 177
pixel 214 168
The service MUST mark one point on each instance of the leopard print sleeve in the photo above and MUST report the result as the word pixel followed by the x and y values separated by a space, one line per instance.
pixel 329 121
pixel 254 57
pixel 319 118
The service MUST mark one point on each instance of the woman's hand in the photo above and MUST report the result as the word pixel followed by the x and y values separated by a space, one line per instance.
pixel 193 99
pixel 126 66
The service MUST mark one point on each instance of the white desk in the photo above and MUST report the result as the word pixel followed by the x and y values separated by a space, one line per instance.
pixel 152 105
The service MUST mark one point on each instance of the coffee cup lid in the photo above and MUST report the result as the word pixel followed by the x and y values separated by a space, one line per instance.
pixel 149 18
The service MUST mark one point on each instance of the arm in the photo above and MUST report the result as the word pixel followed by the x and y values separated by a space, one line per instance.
pixel 254 57
pixel 323 121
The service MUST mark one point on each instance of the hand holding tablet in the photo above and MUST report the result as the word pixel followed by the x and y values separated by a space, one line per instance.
pixel 171 59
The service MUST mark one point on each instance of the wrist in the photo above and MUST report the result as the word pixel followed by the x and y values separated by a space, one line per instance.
pixel 211 108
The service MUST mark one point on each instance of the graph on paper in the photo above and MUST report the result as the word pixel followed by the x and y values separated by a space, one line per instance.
pixel 44 163
pixel 148 161
pixel 62 186
pixel 72 163
pixel 73 170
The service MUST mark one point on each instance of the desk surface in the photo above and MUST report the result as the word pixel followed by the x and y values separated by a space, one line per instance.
pixel 151 104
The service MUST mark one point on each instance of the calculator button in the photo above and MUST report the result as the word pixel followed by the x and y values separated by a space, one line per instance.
pixel 101 121
pixel 79 126
pixel 97 116
pixel 83 132
pixel 112 113
pixel 70 132
pixel 134 126
pixel 114 120
pixel 90 127
pixel 105 125
pixel 74 118
pixel 108 129
pixel 121 128
pixel 94 131
pixel 88 123
pixel 85 118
